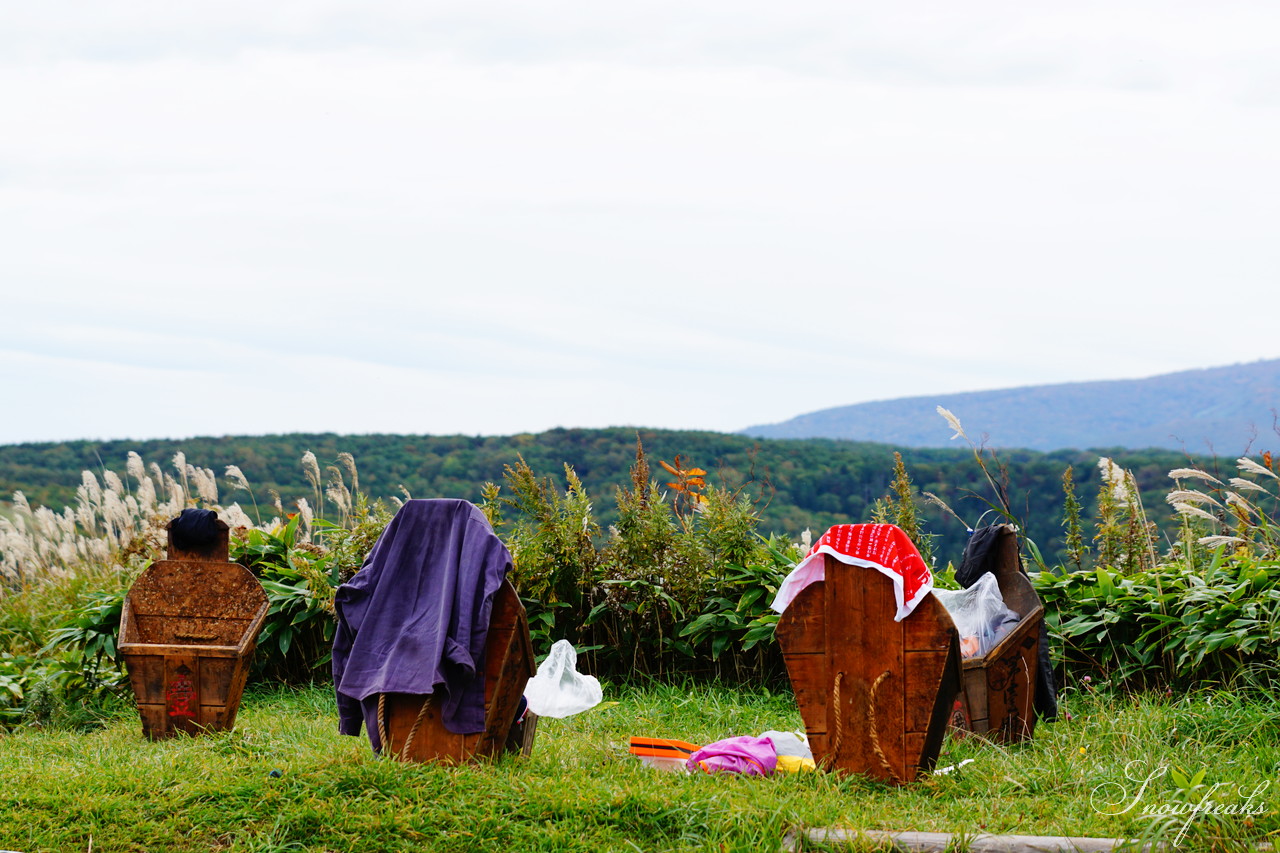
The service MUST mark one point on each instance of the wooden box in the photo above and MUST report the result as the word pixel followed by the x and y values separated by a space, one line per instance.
pixel 998 700
pixel 410 725
pixel 187 634
pixel 875 694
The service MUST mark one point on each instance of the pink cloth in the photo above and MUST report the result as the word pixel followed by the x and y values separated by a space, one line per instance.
pixel 750 756
pixel 883 547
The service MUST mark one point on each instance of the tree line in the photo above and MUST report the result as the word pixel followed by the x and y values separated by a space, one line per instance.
pixel 795 484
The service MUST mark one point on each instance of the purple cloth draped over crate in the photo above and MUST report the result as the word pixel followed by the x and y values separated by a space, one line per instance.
pixel 415 618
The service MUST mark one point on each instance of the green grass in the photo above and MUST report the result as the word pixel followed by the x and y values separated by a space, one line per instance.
pixel 113 791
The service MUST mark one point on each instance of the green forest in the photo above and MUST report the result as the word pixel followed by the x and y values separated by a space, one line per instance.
pixel 795 484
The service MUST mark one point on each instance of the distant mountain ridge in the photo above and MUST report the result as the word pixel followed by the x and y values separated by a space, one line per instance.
pixel 1220 409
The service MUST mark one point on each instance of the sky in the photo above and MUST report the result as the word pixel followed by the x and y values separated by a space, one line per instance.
pixel 499 217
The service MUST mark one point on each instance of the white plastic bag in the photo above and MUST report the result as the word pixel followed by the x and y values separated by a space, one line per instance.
pixel 980 615
pixel 789 743
pixel 559 690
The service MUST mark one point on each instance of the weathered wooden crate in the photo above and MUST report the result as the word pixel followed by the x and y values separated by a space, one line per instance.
pixel 998 700
pixel 187 633
pixel 875 695
pixel 410 725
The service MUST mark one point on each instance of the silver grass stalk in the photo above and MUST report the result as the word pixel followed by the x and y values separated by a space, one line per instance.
pixel 1215 541
pixel 67 522
pixel 338 494
pixel 1235 500
pixel 45 522
pixel 304 510
pixel 146 495
pixel 931 498
pixel 1244 463
pixel 1249 466
pixel 1193 474
pixel 114 518
pixel 237 478
pixel 206 484
pixel 92 490
pixel 112 481
pixel 180 464
pixel 99 551
pixel 1114 476
pixel 211 483
pixel 1247 485
pixel 336 483
pixel 953 422
pixel 1178 496
pixel 88 498
pixel 346 460
pixel 235 517
pixel 311 468
pixel 1188 509
pixel 177 496
pixel 134 467
pixel 115 508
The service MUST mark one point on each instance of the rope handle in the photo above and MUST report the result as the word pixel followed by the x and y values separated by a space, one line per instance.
pixel 835 699
pixel 383 737
pixel 384 743
pixel 875 733
pixel 871 722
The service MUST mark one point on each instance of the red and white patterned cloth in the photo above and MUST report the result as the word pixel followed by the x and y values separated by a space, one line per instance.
pixel 883 547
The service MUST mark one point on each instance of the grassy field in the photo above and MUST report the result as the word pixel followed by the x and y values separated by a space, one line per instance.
pixel 286 781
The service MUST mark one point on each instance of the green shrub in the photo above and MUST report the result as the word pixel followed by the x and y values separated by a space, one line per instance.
pixel 737 619
pixel 1207 612
pixel 1171 625
pixel 301 578
pixel 552 544
pixel 676 586
pixel 91 631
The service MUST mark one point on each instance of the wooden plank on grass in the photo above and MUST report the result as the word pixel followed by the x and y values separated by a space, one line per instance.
pixel 928 842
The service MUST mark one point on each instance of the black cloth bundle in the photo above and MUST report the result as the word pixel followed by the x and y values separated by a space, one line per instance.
pixel 978 559
pixel 195 530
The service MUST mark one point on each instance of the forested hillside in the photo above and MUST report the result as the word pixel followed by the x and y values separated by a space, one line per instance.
pixel 799 483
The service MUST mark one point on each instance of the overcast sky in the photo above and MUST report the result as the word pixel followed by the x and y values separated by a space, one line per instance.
pixel 497 217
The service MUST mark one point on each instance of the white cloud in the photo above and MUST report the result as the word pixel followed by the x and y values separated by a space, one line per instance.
pixel 685 215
